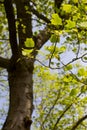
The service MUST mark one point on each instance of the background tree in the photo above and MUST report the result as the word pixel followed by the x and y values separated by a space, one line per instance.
pixel 30 25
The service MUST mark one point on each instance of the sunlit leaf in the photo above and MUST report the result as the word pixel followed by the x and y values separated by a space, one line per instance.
pixel 70 24
pixel 29 42
pixel 75 1
pixel 56 20
pixel 62 49
pixel 67 8
pixel 82 72
pixel 26 52
pixel 54 38
pixel 84 1
pixel 83 24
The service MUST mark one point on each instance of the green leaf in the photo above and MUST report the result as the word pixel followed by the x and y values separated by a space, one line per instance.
pixel 75 1
pixel 52 63
pixel 74 49
pixel 67 8
pixel 85 58
pixel 81 72
pixel 73 92
pixel 26 52
pixel 56 20
pixel 29 42
pixel 62 49
pixel 51 49
pixel 54 38
pixel 1 42
pixel 69 67
pixel 70 24
pixel 76 16
pixel 84 1
pixel 84 89
pixel 83 24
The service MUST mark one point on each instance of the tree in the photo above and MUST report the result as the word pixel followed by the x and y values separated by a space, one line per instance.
pixel 67 19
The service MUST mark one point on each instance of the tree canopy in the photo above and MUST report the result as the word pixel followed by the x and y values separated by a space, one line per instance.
pixel 51 37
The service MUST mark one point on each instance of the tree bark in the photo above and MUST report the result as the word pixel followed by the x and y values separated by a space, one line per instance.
pixel 21 96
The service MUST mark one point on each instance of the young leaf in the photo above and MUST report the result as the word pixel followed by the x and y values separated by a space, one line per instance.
pixel 29 42
pixel 81 72
pixel 67 8
pixel 26 52
pixel 69 67
pixel 54 38
pixel 62 49
pixel 56 20
pixel 75 1
pixel 70 24
pixel 73 92
pixel 84 89
pixel 83 24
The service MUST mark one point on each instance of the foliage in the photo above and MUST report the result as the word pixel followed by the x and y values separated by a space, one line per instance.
pixel 59 98
pixel 60 83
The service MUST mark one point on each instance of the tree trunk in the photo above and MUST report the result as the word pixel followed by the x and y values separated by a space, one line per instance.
pixel 21 96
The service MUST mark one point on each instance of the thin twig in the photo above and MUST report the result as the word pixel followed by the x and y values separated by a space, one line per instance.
pixel 58 95
pixel 64 65
pixel 66 109
pixel 54 128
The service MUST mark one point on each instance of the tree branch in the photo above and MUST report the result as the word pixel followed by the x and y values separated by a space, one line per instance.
pixel 63 113
pixel 52 107
pixel 11 25
pixel 44 35
pixel 4 63
pixel 67 108
pixel 39 15
pixel 42 38
pixel 79 122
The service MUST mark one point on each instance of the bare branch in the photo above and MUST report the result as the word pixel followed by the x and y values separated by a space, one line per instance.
pixel 79 122
pixel 4 63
